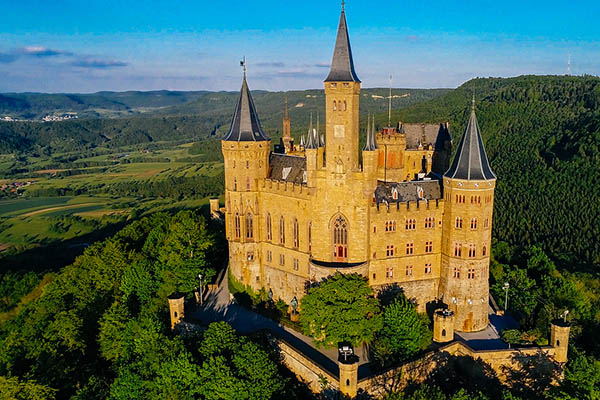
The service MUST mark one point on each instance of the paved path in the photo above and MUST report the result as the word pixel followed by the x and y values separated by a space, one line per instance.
pixel 219 307
pixel 489 338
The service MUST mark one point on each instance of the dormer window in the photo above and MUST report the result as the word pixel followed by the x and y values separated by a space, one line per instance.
pixel 395 194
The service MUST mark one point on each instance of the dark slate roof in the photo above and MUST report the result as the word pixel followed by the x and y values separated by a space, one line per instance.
pixel 470 161
pixel 287 168
pixel 342 66
pixel 408 191
pixel 428 134
pixel 245 125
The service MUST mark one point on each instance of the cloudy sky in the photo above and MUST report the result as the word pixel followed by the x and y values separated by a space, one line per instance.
pixel 88 46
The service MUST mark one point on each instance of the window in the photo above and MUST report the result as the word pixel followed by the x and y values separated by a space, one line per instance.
pixel 410 247
pixel 473 223
pixel 456 272
pixel 238 227
pixel 249 227
pixel 458 223
pixel 429 223
pixel 374 228
pixel 340 239
pixel 269 227
pixel 484 251
pixel 486 223
pixel 457 249
pixel 250 256
pixel 471 273
pixel 394 191
pixel 390 226
pixel 428 246
pixel 269 256
pixel 334 105
pixel 233 163
pixel 389 250
pixel 472 251
pixel 410 224
pixel 296 234
pixel 281 259
pixel 389 272
pixel 461 199
pixel 296 264
pixel 427 268
pixel 281 231
pixel 247 164
pixel 247 183
pixel 310 236
pixel 409 270
pixel 234 183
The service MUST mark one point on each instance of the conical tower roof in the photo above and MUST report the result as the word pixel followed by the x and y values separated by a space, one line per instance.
pixel 342 66
pixel 470 161
pixel 245 125
pixel 371 144
pixel 312 142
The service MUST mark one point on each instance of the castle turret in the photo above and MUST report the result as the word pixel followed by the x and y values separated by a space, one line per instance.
pixel 443 326
pixel 246 151
pixel 342 89
pixel 311 150
pixel 559 339
pixel 176 309
pixel 469 196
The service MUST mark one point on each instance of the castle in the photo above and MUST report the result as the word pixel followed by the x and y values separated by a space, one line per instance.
pixel 398 213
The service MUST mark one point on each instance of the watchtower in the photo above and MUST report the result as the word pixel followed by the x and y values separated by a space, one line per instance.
pixel 176 309
pixel 443 326
pixel 559 339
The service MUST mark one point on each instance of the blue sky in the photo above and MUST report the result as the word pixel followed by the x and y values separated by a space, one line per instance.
pixel 87 46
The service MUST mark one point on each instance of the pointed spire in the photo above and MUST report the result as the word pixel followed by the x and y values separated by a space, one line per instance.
pixel 312 142
pixel 371 144
pixel 286 113
pixel 302 141
pixel 245 125
pixel 470 161
pixel 342 66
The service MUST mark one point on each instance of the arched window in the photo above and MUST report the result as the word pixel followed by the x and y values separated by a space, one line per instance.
pixel 281 231
pixel 484 251
pixel 340 239
pixel 234 183
pixel 296 234
pixel 473 223
pixel 394 194
pixel 443 332
pixel 269 227
pixel 334 105
pixel 237 226
pixel 247 183
pixel 344 105
pixel 249 227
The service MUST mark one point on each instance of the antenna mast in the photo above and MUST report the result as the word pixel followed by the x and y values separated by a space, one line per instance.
pixel 390 104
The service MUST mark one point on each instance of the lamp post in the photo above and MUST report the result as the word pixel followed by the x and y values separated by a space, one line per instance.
pixel 200 287
pixel 505 288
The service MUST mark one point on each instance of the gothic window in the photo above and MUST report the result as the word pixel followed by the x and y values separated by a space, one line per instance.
pixel 269 227
pixel 234 183
pixel 428 247
pixel 281 231
pixel 457 249
pixel 281 259
pixel 410 224
pixel 473 223
pixel 334 105
pixel 410 248
pixel 472 251
pixel 471 273
pixel 249 227
pixel 409 270
pixel 237 225
pixel 390 250
pixel 247 164
pixel 484 251
pixel 340 239
pixel 310 237
pixel 429 223
pixel 296 234
pixel 296 264
pixel 456 272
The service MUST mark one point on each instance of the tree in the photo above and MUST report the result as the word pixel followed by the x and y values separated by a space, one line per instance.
pixel 341 308
pixel 14 389
pixel 404 332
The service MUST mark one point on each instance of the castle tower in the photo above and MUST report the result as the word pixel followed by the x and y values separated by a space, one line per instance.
pixel 349 376
pixel 176 309
pixel 443 326
pixel 342 89
pixel 559 339
pixel 467 225
pixel 246 151
pixel 370 152
pixel 286 137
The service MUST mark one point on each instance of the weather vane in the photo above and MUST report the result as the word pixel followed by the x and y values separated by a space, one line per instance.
pixel 343 4
pixel 243 65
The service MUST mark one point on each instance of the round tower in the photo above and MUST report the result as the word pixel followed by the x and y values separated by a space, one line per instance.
pixel 246 150
pixel 176 309
pixel 467 225
pixel 443 326
pixel 559 339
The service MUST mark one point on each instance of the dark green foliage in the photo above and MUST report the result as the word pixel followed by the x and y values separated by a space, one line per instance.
pixel 404 333
pixel 341 308
pixel 15 285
